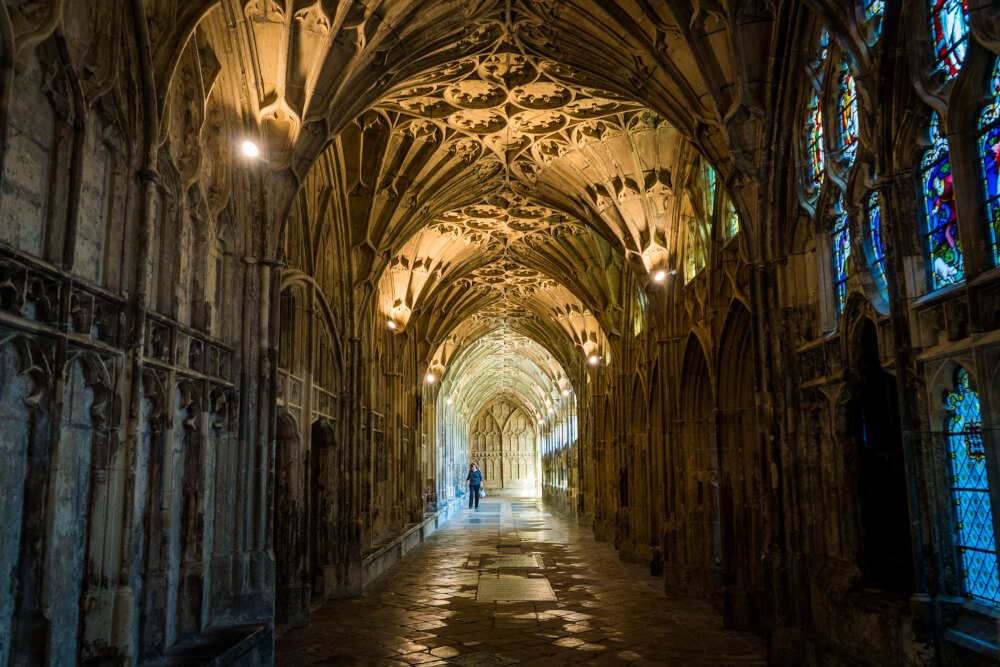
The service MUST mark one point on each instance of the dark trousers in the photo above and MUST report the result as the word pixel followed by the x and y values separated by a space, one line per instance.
pixel 473 494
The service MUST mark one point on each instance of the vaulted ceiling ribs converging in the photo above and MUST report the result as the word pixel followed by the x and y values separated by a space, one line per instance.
pixel 530 145
pixel 498 175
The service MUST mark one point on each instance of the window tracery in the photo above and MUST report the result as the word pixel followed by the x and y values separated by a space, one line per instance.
pixel 695 252
pixel 970 492
pixel 942 239
pixel 989 151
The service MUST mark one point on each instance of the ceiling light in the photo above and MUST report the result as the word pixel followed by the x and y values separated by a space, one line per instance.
pixel 541 421
pixel 594 359
pixel 660 276
pixel 552 409
pixel 391 324
pixel 250 149
pixel 431 378
pixel 565 392
pixel 450 400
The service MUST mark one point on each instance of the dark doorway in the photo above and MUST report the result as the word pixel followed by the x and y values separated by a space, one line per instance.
pixel 291 603
pixel 886 559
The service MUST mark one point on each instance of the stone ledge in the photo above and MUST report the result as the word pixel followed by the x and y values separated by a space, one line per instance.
pixel 378 562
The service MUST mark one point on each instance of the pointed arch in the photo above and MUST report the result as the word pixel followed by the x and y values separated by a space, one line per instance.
pixel 741 473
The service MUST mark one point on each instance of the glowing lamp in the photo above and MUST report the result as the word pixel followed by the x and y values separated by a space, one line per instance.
pixel 450 401
pixel 391 324
pixel 565 392
pixel 594 359
pixel 660 276
pixel 431 378
pixel 250 149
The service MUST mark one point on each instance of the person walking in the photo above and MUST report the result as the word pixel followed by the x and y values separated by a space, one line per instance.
pixel 474 480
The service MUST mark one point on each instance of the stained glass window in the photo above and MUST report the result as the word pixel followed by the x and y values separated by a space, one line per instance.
pixel 874 213
pixel 695 251
pixel 874 10
pixel 949 32
pixel 989 149
pixel 814 144
pixel 841 256
pixel 732 221
pixel 708 187
pixel 939 208
pixel 848 114
pixel 970 492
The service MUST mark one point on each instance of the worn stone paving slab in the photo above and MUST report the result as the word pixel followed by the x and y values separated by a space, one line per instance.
pixel 425 610
pixel 510 561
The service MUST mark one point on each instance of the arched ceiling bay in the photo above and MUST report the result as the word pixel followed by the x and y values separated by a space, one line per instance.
pixel 517 156
pixel 310 67
pixel 502 362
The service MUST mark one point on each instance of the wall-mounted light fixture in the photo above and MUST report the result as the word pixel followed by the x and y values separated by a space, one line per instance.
pixel 250 149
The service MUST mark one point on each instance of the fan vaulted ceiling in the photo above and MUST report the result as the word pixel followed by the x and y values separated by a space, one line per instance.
pixel 481 167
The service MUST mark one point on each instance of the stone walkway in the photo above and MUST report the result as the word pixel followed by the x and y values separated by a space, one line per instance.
pixel 438 606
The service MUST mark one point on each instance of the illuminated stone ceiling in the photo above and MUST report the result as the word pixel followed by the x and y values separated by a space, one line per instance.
pixel 514 162
pixel 509 251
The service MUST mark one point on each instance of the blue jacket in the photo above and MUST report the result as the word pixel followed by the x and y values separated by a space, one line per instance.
pixel 475 478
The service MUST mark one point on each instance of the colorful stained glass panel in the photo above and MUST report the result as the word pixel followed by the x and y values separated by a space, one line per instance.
pixel 814 144
pixel 848 114
pixel 874 9
pixel 949 32
pixel 877 248
pixel 970 492
pixel 943 244
pixel 841 257
pixel 989 150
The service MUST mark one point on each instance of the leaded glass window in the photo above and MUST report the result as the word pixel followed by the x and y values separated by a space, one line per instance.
pixel 708 189
pixel 824 43
pixel 949 32
pixel 939 208
pixel 847 114
pixel 874 10
pixel 732 221
pixel 695 251
pixel 989 150
pixel 873 210
pixel 841 256
pixel 970 492
pixel 814 143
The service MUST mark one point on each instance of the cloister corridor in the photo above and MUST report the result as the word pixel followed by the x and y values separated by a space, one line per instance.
pixel 577 603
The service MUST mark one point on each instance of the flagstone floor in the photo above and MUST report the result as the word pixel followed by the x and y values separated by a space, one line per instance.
pixel 516 584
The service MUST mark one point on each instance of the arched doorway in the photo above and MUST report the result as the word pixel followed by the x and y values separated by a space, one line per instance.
pixel 325 506
pixel 741 505
pixel 291 595
pixel 691 540
pixel 885 548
